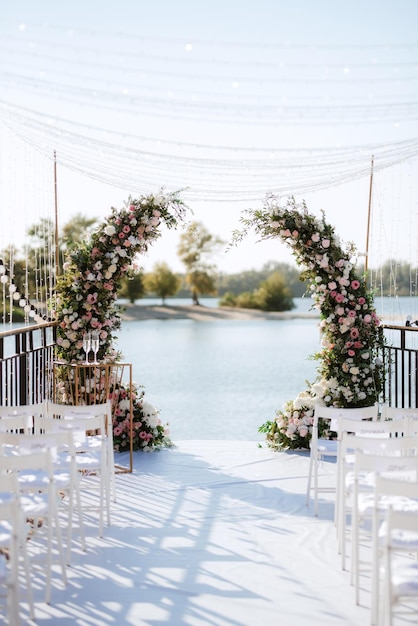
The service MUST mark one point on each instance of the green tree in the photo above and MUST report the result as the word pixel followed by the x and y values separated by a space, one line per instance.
pixel 133 287
pixel 162 281
pixel 196 249
pixel 274 294
pixel 75 230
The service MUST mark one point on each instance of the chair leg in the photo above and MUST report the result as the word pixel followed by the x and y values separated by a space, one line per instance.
pixel 308 488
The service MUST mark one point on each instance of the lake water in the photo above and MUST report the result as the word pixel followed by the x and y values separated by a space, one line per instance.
pixel 223 379
pixel 220 379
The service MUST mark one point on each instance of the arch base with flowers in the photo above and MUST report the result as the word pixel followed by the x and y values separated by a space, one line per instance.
pixel 350 373
pixel 85 302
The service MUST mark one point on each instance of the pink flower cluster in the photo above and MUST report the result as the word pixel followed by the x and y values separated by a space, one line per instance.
pixel 88 288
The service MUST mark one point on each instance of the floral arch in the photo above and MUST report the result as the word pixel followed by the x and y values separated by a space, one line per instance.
pixel 349 372
pixel 86 296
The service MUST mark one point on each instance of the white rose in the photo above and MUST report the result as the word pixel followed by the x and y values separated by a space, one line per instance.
pixel 110 230
pixel 148 409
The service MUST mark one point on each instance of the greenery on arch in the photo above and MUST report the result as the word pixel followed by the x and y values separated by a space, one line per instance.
pixel 85 301
pixel 87 290
pixel 349 371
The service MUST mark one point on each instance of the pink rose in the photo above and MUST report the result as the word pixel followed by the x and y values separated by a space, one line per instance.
pixel 355 284
pixel 326 243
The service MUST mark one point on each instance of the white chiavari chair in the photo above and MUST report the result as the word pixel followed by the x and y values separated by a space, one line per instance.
pixel 13 544
pixel 92 456
pixel 400 492
pixel 400 539
pixel 31 457
pixel 91 442
pixel 321 448
pixel 397 459
pixel 358 481
pixel 66 475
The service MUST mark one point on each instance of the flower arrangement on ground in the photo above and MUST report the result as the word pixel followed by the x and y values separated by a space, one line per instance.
pixel 349 372
pixel 85 302
pixel 148 432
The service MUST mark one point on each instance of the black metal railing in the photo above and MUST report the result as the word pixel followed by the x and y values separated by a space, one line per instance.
pixel 400 357
pixel 26 357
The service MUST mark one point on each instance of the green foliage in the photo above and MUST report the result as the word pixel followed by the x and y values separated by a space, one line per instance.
pixel 246 300
pixel 196 250
pixel 162 281
pixel 350 373
pixel 132 287
pixel 88 289
pixel 272 295
pixel 77 228
pixel 250 280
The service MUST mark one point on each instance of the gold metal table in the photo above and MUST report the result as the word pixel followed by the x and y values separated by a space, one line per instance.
pixel 93 383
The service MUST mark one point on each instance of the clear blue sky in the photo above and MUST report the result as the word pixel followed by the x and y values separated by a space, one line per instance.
pixel 260 53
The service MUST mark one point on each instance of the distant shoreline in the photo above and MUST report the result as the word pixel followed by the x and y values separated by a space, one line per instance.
pixel 138 312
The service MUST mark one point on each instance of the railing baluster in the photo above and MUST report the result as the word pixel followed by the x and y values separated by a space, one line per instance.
pixel 25 372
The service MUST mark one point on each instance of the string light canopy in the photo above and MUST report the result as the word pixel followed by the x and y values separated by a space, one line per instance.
pixel 245 176
pixel 223 121
pixel 182 92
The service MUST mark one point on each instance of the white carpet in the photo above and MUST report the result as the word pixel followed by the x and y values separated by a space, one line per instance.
pixel 210 533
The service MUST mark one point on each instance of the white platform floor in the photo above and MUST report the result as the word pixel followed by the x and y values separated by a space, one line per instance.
pixel 210 533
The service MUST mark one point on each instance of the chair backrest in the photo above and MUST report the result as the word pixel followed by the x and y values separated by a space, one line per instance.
pixel 383 428
pixel 26 452
pixel 400 520
pixel 55 432
pixel 81 411
pixel 19 418
pixel 379 446
pixel 334 414
pixel 392 486
pixel 396 413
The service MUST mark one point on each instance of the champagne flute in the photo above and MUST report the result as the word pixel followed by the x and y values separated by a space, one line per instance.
pixel 87 345
pixel 95 345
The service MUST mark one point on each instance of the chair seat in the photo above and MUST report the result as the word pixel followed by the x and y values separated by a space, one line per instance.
pixel 400 539
pixel 6 530
pixel 31 479
pixel 405 578
pixel 36 505
pixel 328 447
pixel 366 504
pixel 88 461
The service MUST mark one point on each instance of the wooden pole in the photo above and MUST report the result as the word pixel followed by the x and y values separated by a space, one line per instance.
pixel 57 259
pixel 369 212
